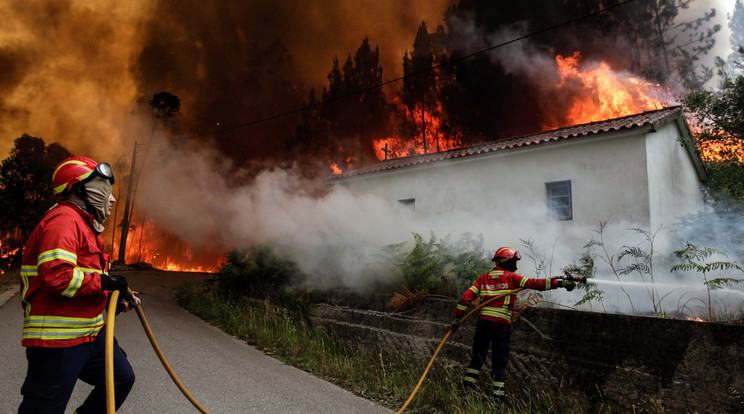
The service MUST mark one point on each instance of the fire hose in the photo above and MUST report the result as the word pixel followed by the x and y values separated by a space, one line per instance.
pixel 109 356
pixel 482 304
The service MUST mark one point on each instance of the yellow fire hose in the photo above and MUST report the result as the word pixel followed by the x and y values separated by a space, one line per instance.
pixel 441 344
pixel 109 356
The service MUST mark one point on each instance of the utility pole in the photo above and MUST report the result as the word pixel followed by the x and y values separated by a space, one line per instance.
pixel 423 125
pixel 127 206
pixel 386 151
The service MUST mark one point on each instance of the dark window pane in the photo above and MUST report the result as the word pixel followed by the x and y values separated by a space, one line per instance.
pixel 558 197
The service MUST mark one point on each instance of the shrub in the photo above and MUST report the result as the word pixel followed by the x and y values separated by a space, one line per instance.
pixel 258 272
pixel 441 266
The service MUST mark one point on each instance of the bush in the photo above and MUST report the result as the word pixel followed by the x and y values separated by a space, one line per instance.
pixel 258 272
pixel 441 266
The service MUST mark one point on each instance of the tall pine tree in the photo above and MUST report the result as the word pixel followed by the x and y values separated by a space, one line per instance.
pixel 351 113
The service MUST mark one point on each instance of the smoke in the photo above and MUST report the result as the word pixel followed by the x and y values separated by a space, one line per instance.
pixel 214 205
pixel 65 72
pixel 338 237
pixel 81 73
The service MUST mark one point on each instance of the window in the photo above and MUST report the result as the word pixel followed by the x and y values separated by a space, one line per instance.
pixel 408 203
pixel 559 202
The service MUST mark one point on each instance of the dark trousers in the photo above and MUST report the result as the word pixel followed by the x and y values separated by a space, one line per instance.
pixel 53 372
pixel 498 336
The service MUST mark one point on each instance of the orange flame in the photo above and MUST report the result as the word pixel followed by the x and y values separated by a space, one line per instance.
pixel 604 93
pixel 335 169
pixel 149 244
pixel 718 151
pixel 694 319
pixel 428 139
pixel 598 92
pixel 6 253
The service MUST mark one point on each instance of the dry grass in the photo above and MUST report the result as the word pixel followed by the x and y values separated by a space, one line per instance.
pixel 408 300
pixel 384 377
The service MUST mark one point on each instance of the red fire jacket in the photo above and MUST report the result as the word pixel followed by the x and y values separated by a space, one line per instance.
pixel 494 283
pixel 61 290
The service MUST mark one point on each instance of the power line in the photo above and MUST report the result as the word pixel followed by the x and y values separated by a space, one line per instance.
pixel 388 82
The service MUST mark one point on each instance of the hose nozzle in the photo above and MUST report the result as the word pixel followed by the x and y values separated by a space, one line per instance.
pixel 570 277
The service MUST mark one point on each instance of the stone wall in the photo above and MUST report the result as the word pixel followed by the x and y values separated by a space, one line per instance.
pixel 618 360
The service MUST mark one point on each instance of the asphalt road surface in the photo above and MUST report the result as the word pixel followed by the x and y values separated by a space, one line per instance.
pixel 223 374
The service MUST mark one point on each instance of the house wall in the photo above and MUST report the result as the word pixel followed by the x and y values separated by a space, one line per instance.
pixel 674 186
pixel 608 177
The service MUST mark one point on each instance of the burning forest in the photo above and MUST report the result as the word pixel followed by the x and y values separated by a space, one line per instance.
pixel 274 98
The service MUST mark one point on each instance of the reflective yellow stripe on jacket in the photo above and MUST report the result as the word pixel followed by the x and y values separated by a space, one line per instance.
pixel 26 271
pixel 56 254
pixel 78 273
pixel 60 327
pixel 494 310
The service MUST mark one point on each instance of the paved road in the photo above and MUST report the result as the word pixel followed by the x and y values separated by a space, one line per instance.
pixel 223 374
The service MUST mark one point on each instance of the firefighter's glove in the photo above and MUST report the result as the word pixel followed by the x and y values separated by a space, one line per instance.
pixel 454 325
pixel 115 282
pixel 567 284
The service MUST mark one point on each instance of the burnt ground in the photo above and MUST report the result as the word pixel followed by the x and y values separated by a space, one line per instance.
pixel 627 362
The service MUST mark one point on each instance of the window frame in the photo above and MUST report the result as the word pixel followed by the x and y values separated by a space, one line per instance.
pixel 563 211
pixel 408 203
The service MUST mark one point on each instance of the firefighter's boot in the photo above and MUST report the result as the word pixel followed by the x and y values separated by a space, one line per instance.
pixel 499 394
pixel 470 382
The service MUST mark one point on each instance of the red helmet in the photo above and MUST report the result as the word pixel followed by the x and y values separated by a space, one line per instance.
pixel 76 169
pixel 505 253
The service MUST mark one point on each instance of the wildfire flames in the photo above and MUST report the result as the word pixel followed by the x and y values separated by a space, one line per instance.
pixel 596 91
pixel 148 244
pixel 694 319
pixel 428 139
pixel 6 253
pixel 604 93
pixel 716 151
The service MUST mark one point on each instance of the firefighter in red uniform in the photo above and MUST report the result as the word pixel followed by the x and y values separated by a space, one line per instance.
pixel 494 325
pixel 65 285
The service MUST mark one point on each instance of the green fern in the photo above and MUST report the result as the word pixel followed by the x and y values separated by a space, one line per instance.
pixel 694 259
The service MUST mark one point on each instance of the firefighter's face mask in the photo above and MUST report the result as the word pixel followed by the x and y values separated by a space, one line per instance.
pixel 99 196
pixel 509 265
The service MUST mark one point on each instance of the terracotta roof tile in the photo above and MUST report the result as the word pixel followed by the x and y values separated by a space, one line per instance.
pixel 652 118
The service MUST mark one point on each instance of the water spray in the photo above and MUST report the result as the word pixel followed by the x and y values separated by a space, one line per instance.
pixel 646 284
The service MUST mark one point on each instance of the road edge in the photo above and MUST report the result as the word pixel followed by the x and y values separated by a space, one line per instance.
pixel 7 294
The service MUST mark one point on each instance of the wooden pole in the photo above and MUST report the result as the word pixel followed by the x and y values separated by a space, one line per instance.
pixel 127 207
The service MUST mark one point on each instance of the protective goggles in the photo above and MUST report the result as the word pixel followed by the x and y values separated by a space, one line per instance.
pixel 102 170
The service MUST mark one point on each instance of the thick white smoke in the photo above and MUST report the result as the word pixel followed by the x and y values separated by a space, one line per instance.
pixel 335 234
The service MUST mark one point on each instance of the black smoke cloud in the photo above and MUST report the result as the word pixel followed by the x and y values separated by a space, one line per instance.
pixel 81 73
pixel 511 90
pixel 234 64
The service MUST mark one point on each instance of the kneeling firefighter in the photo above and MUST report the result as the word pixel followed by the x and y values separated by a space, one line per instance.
pixel 494 324
pixel 65 285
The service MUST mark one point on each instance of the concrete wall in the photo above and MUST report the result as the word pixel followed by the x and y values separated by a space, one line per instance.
pixel 594 358
pixel 634 177
pixel 674 185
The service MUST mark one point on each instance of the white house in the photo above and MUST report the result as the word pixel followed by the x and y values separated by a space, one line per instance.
pixel 642 169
